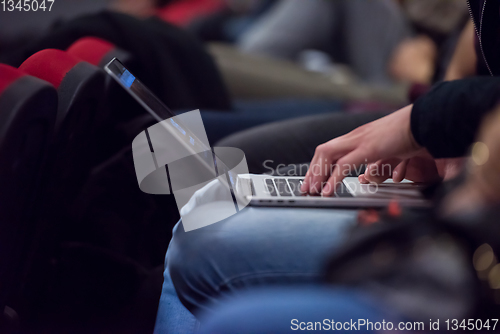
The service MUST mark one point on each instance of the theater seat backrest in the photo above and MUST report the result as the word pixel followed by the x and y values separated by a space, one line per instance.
pixel 28 108
pixel 72 78
pixel 80 88
pixel 119 108
pixel 50 65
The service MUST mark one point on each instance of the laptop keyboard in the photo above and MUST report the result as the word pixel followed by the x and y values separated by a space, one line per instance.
pixel 295 185
pixel 291 187
pixel 270 187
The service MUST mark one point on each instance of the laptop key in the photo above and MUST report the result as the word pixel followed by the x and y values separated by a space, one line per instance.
pixel 342 191
pixel 283 188
pixel 270 187
pixel 295 184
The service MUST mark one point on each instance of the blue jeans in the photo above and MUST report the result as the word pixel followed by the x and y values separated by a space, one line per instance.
pixel 172 316
pixel 254 248
pixel 286 310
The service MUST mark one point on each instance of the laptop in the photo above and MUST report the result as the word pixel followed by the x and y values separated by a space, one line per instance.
pixel 266 190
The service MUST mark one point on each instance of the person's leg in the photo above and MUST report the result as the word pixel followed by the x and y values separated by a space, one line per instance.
pixel 372 31
pixel 255 77
pixel 292 141
pixel 285 310
pixel 256 247
pixel 173 317
pixel 289 27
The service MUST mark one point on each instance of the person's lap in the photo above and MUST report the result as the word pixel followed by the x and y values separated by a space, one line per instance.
pixel 256 247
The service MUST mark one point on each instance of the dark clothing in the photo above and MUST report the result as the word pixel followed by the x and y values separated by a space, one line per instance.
pixel 486 18
pixel 446 119
pixel 171 62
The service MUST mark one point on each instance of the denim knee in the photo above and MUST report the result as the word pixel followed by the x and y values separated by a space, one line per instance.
pixel 190 264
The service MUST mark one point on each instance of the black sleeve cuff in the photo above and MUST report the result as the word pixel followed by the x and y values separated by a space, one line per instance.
pixel 446 119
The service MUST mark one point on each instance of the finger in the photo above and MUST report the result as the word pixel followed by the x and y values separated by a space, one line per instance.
pixel 362 179
pixel 399 172
pixel 422 170
pixel 319 173
pixel 381 170
pixel 343 168
pixel 325 158
pixel 323 167
pixel 314 167
pixel 305 183
pixel 307 179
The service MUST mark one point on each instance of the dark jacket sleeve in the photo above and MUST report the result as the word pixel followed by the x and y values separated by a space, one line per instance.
pixel 446 119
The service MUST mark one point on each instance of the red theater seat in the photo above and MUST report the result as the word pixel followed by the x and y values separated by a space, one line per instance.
pixel 181 13
pixel 97 51
pixel 28 108
pixel 79 86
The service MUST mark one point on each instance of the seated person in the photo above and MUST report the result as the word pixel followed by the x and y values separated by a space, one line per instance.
pixel 266 246
pixel 371 291
pixel 262 246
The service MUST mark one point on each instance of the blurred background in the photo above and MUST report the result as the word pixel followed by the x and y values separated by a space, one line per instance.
pixel 328 36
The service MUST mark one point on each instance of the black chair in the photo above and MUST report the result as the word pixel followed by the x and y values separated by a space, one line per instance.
pixel 80 87
pixel 74 283
pixel 28 108
pixel 115 123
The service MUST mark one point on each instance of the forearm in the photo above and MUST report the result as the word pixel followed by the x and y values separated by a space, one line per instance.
pixel 446 119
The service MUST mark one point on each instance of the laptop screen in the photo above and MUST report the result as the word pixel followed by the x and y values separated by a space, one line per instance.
pixel 138 91
pixel 161 112
pixel 150 102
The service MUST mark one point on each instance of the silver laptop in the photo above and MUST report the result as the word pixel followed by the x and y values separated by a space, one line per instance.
pixel 266 190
